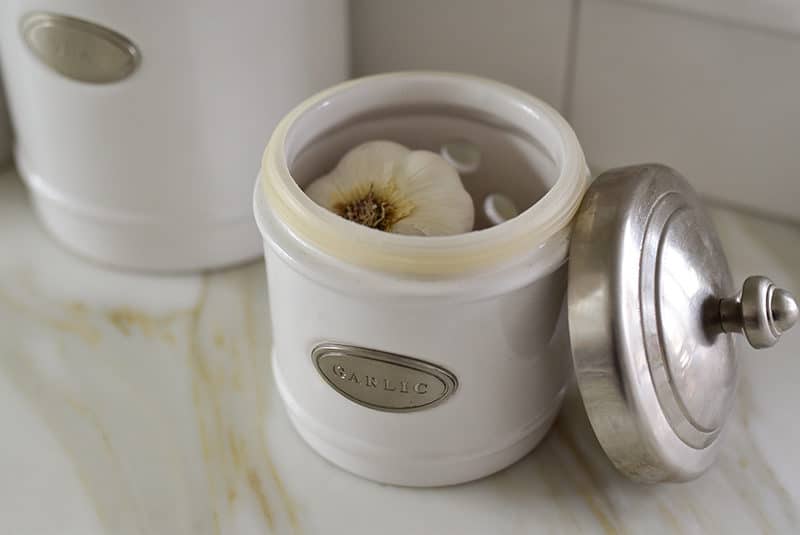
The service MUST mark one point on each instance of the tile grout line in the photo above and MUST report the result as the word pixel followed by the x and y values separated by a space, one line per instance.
pixel 570 72
pixel 714 18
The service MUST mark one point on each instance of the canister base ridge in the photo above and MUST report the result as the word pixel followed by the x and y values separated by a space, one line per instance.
pixel 393 469
pixel 180 244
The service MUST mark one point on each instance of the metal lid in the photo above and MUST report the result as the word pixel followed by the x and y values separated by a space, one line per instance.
pixel 652 319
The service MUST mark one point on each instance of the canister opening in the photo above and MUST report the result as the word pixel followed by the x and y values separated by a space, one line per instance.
pixel 513 163
pixel 528 154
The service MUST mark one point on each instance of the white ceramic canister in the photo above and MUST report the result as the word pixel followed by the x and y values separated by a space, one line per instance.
pixel 422 360
pixel 138 123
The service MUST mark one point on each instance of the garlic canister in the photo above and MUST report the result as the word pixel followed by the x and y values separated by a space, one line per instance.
pixel 435 359
pixel 420 360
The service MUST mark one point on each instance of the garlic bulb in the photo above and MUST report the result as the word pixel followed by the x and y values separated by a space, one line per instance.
pixel 384 185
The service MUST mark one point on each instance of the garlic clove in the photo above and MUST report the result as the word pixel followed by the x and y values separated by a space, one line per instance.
pixel 366 163
pixel 442 205
pixel 384 185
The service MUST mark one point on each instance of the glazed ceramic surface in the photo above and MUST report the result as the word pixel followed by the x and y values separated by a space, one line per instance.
pixel 483 309
pixel 139 127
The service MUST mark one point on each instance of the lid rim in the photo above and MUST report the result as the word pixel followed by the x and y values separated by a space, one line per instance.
pixel 615 322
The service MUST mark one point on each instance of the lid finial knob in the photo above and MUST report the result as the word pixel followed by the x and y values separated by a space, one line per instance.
pixel 761 312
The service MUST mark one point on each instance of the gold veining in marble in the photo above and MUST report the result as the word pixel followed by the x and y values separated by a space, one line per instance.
pixel 73 321
pixel 229 406
pixel 255 485
pixel 224 387
pixel 590 490
pixel 128 320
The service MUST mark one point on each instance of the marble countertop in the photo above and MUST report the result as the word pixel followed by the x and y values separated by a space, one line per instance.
pixel 145 404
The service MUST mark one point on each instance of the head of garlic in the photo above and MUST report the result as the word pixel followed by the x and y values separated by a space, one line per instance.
pixel 386 186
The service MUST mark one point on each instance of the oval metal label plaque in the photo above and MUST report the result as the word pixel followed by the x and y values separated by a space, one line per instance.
pixel 79 49
pixel 383 381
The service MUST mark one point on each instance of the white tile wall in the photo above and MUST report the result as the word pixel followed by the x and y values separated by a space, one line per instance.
pixel 708 86
pixel 520 42
pixel 720 103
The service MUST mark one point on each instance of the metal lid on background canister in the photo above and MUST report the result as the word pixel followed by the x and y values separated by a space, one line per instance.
pixel 653 314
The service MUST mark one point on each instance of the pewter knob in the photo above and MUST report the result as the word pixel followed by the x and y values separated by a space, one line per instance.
pixel 761 312
pixel 784 310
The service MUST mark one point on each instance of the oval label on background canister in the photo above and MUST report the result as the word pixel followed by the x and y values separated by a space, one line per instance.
pixel 79 49
pixel 383 381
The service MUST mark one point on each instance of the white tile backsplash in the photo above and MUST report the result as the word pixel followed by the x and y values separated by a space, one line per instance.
pixel 707 86
pixel 520 42
pixel 717 102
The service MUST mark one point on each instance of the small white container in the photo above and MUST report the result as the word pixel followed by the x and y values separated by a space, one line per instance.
pixel 473 324
pixel 139 124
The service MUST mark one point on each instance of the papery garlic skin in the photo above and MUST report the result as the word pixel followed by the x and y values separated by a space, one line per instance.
pixel 384 185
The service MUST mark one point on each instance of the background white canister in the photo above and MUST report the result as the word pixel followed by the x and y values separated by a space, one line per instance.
pixel 477 317
pixel 138 123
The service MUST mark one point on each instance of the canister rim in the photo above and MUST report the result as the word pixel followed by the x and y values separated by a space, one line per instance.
pixel 475 251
